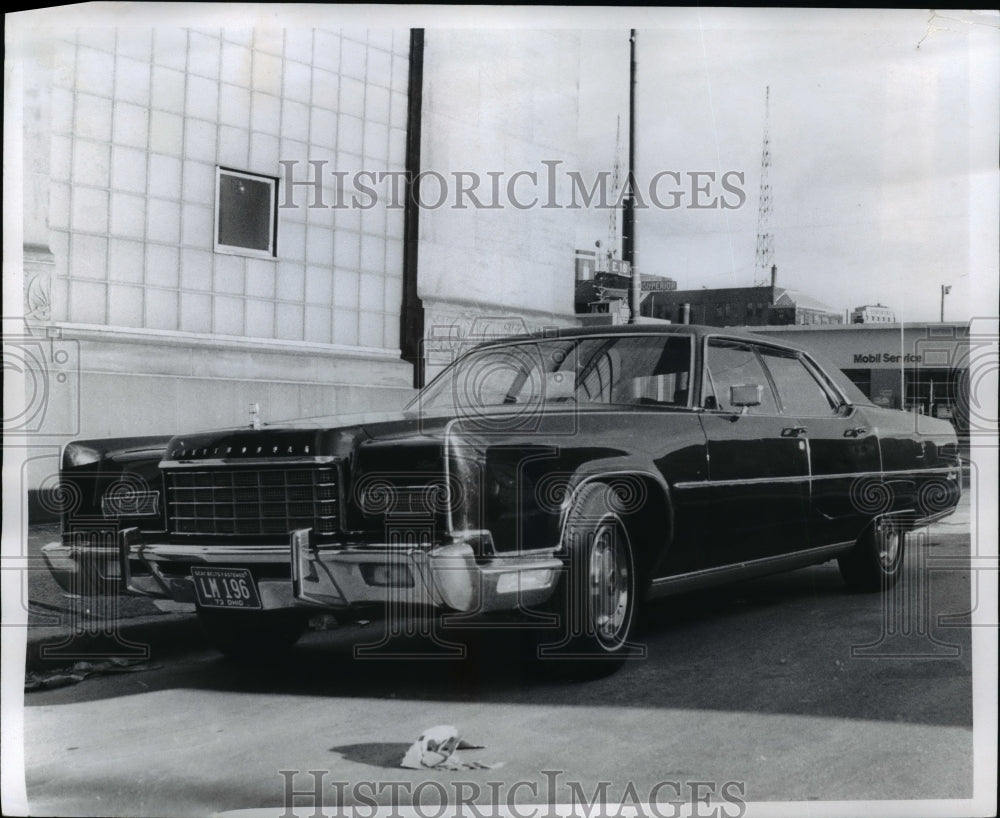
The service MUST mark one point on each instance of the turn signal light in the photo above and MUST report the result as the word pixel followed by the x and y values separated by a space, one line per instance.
pixel 387 574
pixel 524 580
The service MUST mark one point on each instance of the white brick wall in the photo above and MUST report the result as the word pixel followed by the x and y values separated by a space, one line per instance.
pixel 142 117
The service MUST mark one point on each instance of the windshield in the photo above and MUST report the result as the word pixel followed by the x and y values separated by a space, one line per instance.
pixel 633 370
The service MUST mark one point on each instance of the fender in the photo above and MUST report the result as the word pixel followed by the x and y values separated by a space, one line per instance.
pixel 627 470
pixel 105 479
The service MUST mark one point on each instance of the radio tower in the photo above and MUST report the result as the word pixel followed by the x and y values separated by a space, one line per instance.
pixel 765 239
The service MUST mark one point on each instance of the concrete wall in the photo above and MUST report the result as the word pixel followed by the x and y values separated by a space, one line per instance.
pixel 498 101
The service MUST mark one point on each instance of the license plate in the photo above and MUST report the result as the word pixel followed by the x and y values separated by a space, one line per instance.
pixel 225 588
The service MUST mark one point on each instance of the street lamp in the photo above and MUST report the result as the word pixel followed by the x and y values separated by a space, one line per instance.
pixel 945 289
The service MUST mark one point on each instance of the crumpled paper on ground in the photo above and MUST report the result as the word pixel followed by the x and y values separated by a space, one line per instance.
pixel 48 680
pixel 435 749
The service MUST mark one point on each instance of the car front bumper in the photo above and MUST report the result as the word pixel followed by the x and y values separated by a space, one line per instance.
pixel 446 576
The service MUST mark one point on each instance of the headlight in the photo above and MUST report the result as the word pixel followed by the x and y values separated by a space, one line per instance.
pixel 76 454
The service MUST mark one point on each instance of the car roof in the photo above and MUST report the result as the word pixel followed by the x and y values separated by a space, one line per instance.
pixel 697 331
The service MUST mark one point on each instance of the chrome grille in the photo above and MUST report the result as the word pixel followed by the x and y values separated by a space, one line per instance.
pixel 252 501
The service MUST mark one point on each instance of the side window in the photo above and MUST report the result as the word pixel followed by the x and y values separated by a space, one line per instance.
pixel 655 371
pixel 668 389
pixel 598 376
pixel 798 390
pixel 734 364
pixel 640 370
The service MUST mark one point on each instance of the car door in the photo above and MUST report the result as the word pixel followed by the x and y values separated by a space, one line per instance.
pixel 758 484
pixel 842 446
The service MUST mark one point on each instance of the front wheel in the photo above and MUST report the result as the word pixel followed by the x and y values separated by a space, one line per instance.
pixel 876 560
pixel 253 637
pixel 595 604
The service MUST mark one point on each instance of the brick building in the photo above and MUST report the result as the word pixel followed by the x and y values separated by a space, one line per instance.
pixel 873 314
pixel 740 306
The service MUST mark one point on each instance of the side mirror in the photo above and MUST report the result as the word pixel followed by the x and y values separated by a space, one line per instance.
pixel 559 386
pixel 745 396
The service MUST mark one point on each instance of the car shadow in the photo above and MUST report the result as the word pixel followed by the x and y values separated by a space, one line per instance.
pixel 780 644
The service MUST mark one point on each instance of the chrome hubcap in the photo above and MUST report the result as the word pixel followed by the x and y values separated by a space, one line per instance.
pixel 889 541
pixel 609 584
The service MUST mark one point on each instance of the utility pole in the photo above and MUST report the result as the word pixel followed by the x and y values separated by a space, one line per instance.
pixel 945 289
pixel 616 178
pixel 628 217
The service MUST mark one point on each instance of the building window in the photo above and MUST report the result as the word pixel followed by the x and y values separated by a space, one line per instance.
pixel 246 216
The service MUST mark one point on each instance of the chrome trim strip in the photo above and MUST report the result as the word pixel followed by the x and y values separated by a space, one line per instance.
pixel 707 577
pixel 215 462
pixel 213 553
pixel 525 554
pixel 569 501
pixel 217 488
pixel 890 475
pixel 446 446
pixel 950 470
pixel 931 518
pixel 145 454
pixel 744 481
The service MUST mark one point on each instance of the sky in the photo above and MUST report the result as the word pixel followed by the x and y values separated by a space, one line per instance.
pixel 883 132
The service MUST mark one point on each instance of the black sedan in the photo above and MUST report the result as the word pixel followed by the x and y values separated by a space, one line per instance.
pixel 563 478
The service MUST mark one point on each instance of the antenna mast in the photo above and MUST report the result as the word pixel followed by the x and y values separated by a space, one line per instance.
pixel 765 239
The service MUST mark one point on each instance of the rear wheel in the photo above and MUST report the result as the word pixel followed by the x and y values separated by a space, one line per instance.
pixel 876 560
pixel 595 604
pixel 253 637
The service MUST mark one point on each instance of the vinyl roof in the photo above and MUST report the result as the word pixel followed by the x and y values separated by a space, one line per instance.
pixel 696 330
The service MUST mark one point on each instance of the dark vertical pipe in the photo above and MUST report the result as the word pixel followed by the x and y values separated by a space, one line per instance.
pixel 628 217
pixel 411 317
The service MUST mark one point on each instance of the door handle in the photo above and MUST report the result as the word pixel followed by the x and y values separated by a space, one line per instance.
pixel 794 431
pixel 857 431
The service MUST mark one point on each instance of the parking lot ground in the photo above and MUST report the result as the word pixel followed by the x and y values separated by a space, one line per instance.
pixel 786 688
